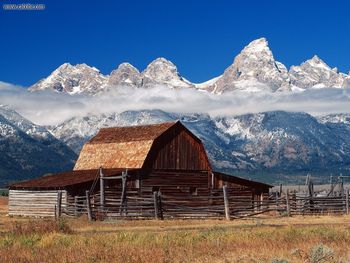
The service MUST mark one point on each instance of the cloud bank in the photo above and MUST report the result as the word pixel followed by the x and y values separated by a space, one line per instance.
pixel 50 108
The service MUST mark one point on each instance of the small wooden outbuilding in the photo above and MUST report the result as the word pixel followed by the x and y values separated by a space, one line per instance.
pixel 165 158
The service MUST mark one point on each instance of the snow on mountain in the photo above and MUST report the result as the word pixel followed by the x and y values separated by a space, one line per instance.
pixel 125 75
pixel 253 70
pixel 274 142
pixel 28 150
pixel 315 73
pixel 164 72
pixel 70 79
pixel 340 118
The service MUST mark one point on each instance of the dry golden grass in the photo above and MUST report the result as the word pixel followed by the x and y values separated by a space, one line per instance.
pixel 267 239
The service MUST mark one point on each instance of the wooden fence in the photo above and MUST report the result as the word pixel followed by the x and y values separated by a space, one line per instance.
pixel 219 203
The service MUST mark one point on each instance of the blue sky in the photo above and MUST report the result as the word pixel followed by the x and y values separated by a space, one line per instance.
pixel 200 37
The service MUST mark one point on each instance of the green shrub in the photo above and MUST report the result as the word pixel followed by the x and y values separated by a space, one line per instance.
pixel 321 254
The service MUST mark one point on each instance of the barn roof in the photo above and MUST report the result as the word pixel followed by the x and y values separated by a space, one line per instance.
pixel 120 146
pixel 130 133
pixel 62 180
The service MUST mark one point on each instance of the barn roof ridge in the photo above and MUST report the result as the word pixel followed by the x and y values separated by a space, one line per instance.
pixel 119 134
pixel 142 125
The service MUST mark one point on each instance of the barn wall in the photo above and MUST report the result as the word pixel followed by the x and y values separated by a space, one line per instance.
pixel 178 149
pixel 34 203
pixel 176 183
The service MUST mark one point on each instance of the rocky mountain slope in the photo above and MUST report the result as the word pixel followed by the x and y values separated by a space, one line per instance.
pixel 254 69
pixel 73 80
pixel 28 150
pixel 252 144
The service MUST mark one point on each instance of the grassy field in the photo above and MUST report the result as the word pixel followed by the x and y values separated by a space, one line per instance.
pixel 268 239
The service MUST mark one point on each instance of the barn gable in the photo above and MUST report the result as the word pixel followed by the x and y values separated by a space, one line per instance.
pixel 178 149
pixel 158 146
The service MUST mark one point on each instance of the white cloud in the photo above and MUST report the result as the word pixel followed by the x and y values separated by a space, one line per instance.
pixel 49 108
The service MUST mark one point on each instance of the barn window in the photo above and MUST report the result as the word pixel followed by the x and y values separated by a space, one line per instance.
pixel 193 190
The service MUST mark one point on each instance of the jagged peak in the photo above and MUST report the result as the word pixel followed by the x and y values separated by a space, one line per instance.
pixel 69 67
pixel 64 66
pixel 161 62
pixel 315 61
pixel 257 46
pixel 126 65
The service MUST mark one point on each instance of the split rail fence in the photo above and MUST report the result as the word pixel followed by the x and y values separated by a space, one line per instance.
pixel 219 203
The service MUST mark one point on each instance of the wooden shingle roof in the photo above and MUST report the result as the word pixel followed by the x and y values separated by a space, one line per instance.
pixel 64 179
pixel 130 133
pixel 120 146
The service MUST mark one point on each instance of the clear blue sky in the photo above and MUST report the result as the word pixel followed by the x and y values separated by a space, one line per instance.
pixel 200 37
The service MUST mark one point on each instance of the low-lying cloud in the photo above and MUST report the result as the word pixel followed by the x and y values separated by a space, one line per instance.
pixel 49 108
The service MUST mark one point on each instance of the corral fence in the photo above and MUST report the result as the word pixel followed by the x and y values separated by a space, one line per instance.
pixel 219 203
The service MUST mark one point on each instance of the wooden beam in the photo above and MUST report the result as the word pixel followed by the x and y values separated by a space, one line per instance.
pixel 347 201
pixel 160 205
pixel 123 196
pixel 102 190
pixel 227 207
pixel 155 203
pixel 59 204
pixel 88 205
pixel 114 177
pixel 288 203
pixel 76 206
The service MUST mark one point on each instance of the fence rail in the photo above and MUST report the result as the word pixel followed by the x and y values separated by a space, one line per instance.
pixel 217 204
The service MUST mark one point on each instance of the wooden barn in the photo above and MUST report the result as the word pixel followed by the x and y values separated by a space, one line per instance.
pixel 137 171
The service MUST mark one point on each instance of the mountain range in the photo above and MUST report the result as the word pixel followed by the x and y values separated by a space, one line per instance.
pixel 271 146
pixel 29 150
pixel 274 146
pixel 272 143
pixel 254 69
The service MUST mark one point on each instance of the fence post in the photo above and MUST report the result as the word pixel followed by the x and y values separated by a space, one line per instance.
pixel 88 205
pixel 347 201
pixel 280 192
pixel 76 206
pixel 277 204
pixel 160 206
pixel 155 202
pixel 59 204
pixel 123 205
pixel 102 190
pixel 288 203
pixel 226 203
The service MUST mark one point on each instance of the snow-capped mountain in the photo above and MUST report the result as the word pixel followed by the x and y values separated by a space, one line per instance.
pixel 270 142
pixel 253 70
pixel 29 150
pixel 88 80
pixel 315 73
pixel 73 80
pixel 125 75
pixel 164 72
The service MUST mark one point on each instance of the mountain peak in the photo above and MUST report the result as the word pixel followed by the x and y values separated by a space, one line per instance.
pixel 316 62
pixel 125 75
pixel 127 65
pixel 254 70
pixel 257 46
pixel 161 68
pixel 164 72
pixel 162 63
pixel 72 79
